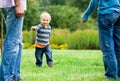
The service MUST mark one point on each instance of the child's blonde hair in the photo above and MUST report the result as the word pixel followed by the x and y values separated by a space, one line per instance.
pixel 45 13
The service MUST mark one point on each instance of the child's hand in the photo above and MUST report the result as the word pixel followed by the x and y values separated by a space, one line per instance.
pixel 32 28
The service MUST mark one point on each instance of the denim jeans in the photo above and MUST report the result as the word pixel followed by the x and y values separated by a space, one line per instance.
pixel 11 55
pixel 109 36
pixel 39 55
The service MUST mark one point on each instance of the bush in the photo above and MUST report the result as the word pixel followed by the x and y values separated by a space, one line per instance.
pixel 28 38
pixel 64 17
pixel 87 39
pixel 59 36
pixel 32 15
pixel 64 39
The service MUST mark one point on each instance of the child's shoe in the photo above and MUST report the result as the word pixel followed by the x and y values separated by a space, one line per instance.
pixel 50 65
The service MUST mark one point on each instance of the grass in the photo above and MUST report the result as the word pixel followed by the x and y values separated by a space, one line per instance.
pixel 69 65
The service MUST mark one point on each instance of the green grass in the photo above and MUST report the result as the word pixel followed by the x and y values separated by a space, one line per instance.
pixel 69 65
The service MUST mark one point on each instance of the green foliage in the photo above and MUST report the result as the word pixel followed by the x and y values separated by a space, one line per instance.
pixel 87 39
pixel 64 17
pixel 81 4
pixel 57 2
pixel 63 38
pixel 90 24
pixel 65 13
pixel 28 39
pixel 59 36
pixel 32 15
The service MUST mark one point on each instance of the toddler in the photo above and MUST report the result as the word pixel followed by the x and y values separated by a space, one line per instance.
pixel 42 40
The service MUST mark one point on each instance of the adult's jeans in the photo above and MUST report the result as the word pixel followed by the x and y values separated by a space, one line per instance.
pixel 39 55
pixel 109 36
pixel 11 55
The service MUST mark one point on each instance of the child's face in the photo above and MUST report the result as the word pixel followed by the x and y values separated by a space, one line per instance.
pixel 45 20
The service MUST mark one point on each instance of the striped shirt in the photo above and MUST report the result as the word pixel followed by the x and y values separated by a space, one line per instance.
pixel 43 34
pixel 10 3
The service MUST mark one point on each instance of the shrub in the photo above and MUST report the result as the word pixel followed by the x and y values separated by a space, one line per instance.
pixel 64 39
pixel 32 15
pixel 28 38
pixel 87 39
pixel 59 36
pixel 64 17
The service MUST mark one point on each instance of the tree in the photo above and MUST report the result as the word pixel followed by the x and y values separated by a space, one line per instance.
pixel 64 17
pixel 58 2
pixel 32 15
pixel 82 5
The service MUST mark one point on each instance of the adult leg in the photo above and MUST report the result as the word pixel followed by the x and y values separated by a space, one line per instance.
pixel 117 43
pixel 11 44
pixel 106 30
pixel 18 63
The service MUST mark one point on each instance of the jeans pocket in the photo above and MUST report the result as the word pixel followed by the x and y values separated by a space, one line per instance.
pixel 104 21
pixel 109 19
pixel 11 14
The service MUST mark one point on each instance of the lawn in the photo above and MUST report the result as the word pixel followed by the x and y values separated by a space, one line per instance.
pixel 69 65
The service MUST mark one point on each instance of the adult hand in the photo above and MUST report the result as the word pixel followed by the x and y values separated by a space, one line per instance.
pixel 19 11
pixel 83 21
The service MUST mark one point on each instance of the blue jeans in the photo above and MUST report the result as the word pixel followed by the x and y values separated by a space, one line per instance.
pixel 39 55
pixel 11 55
pixel 109 36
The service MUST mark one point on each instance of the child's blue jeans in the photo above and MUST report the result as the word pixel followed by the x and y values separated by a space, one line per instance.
pixel 39 55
